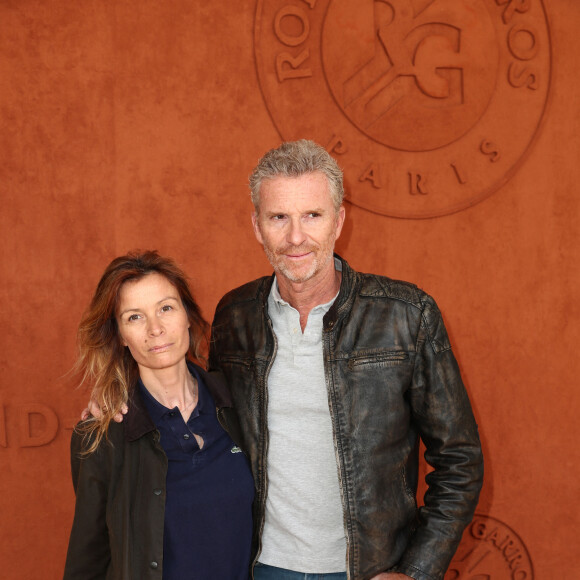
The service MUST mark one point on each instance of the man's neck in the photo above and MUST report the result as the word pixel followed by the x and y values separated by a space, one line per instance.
pixel 304 296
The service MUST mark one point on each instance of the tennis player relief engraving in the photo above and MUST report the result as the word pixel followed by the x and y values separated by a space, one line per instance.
pixel 428 105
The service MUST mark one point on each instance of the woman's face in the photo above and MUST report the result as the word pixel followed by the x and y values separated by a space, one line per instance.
pixel 153 322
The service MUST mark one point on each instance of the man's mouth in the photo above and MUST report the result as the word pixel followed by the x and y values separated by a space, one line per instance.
pixel 298 256
pixel 296 253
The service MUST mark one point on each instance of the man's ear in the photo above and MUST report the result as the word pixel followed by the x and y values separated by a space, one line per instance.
pixel 256 227
pixel 340 220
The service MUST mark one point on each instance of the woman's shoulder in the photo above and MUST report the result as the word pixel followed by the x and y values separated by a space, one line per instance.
pixel 90 462
pixel 84 436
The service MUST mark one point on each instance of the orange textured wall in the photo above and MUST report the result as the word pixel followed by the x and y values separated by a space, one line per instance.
pixel 128 124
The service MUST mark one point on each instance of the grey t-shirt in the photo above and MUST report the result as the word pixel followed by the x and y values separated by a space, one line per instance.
pixel 304 529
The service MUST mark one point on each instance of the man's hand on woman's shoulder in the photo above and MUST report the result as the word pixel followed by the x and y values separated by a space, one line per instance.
pixel 94 410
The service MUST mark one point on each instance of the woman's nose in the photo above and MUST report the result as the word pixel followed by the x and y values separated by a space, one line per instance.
pixel 155 328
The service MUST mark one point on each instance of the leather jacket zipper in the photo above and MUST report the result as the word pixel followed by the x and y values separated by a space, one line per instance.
pixel 337 447
pixel 264 428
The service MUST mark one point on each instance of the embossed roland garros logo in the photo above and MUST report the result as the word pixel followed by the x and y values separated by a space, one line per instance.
pixel 429 105
pixel 490 549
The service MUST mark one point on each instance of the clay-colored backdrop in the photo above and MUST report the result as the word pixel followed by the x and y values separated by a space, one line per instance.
pixel 134 124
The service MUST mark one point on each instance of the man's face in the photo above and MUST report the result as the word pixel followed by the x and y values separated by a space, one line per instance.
pixel 298 225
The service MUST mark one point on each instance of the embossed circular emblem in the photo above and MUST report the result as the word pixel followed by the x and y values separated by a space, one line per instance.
pixel 428 105
pixel 490 549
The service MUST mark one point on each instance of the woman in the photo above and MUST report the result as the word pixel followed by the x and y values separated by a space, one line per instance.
pixel 165 494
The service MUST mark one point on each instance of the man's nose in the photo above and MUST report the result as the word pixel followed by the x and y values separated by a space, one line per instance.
pixel 296 235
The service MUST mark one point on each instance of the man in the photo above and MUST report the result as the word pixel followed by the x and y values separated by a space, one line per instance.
pixel 336 376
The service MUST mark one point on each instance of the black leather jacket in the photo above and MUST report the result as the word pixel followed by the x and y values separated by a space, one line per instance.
pixel 392 379
pixel 117 531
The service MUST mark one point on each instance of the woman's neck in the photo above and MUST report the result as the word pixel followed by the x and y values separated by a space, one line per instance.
pixel 172 387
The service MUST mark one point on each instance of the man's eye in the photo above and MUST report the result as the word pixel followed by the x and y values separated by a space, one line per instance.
pixel 313 214
pixel 278 217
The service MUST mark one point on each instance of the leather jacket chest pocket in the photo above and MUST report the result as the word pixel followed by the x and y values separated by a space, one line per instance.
pixel 241 373
pixel 241 361
pixel 373 387
pixel 380 375
pixel 377 358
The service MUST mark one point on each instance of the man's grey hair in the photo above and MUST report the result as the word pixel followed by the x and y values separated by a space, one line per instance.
pixel 293 159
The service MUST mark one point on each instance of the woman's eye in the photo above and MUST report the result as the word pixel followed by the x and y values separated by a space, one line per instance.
pixel 133 317
pixel 166 308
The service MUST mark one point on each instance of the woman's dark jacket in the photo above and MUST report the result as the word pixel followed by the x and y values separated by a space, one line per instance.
pixel 117 532
pixel 392 380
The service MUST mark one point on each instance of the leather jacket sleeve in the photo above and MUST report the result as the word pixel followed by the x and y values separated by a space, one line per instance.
pixel 88 553
pixel 442 412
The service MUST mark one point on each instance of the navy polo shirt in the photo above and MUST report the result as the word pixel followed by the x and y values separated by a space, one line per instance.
pixel 208 507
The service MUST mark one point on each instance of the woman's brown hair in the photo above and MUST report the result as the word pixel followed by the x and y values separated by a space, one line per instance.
pixel 103 362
